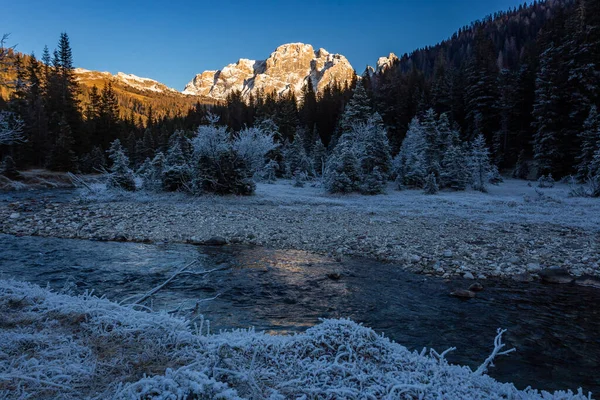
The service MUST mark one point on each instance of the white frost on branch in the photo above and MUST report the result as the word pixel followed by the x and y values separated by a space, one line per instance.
pixel 11 128
pixel 498 345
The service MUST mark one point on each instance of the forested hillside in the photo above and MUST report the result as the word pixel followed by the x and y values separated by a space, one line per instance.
pixel 526 80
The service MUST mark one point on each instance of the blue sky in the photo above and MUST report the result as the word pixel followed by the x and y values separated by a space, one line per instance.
pixel 171 41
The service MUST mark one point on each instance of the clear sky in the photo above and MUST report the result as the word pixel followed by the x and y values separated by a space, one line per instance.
pixel 171 41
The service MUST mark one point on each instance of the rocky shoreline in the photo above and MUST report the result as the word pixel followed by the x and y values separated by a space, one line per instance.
pixel 447 246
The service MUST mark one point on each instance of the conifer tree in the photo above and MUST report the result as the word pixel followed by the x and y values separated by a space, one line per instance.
pixel 175 171
pixel 431 186
pixel 479 162
pixel 455 169
pixel 62 157
pixel 319 156
pixel 120 176
pixel 590 142
pixel 410 163
pixel 522 167
pixel 357 110
pixel 342 175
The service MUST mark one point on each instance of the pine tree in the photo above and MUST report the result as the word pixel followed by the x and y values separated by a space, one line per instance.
pixel 296 159
pixel 342 174
pixel 455 169
pixel 120 176
pixel 522 167
pixel 357 110
pixel 319 156
pixel 590 142
pixel 175 172
pixel 8 168
pixel 410 163
pixel 431 186
pixel 479 161
pixel 62 157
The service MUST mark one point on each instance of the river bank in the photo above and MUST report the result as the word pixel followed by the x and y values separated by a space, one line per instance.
pixel 512 232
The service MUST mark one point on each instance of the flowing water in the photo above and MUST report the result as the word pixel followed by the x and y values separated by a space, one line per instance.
pixel 555 328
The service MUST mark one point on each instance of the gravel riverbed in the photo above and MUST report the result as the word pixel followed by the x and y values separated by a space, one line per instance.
pixel 418 238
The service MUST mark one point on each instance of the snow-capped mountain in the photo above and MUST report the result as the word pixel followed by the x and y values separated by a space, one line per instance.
pixel 287 68
pixel 136 82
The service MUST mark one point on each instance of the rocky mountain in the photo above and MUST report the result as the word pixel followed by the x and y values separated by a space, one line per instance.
pixel 287 68
pixel 136 95
pixel 384 63
pixel 84 76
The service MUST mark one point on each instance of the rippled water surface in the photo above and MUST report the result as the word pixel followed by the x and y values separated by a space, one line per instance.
pixel 556 329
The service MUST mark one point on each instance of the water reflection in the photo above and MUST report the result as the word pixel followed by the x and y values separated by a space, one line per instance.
pixel 555 328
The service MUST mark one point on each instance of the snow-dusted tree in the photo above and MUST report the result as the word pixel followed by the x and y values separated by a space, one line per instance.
pixel 431 186
pixel 176 173
pixel 357 110
pixel 151 172
pixel 479 163
pixel 296 159
pixel 252 144
pixel 410 164
pixel 120 176
pixel 546 182
pixel 494 176
pixel 590 142
pixel 374 182
pixel 8 168
pixel 62 157
pixel 268 127
pixel 218 167
pixel 372 146
pixel 319 156
pixel 342 173
pixel 269 172
pixel 433 142
pixel 11 128
pixel 455 168
pixel 94 161
pixel 522 167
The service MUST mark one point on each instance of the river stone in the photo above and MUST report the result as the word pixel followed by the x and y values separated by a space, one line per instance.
pixel 556 275
pixel 533 267
pixel 463 294
pixel 335 276
pixel 448 253
pixel 523 277
pixel 215 241
pixel 588 280
pixel 476 287
pixel 14 215
pixel 468 275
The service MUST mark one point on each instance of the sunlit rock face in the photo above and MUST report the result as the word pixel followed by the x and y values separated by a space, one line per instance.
pixel 287 69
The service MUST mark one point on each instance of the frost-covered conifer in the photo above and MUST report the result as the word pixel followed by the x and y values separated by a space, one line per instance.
pixel 319 156
pixel 374 182
pixel 269 172
pixel 590 143
pixel 410 164
pixel 431 186
pixel 372 147
pixel 433 142
pixel 546 182
pixel 479 162
pixel 455 169
pixel 296 159
pixel 176 171
pixel 494 176
pixel 120 176
pixel 342 174
pixel 8 168
pixel 522 167
pixel 357 110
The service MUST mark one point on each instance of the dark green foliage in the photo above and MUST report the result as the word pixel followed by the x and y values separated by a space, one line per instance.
pixel 522 167
pixel 8 168
pixel 431 186
pixel 120 176
pixel 225 174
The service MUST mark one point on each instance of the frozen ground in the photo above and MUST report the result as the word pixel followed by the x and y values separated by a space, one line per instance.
pixel 57 346
pixel 514 230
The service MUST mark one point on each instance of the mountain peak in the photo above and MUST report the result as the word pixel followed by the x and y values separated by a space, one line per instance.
pixel 286 69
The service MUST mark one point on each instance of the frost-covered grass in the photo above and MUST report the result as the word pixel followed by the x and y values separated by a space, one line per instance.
pixel 57 346
pixel 511 201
